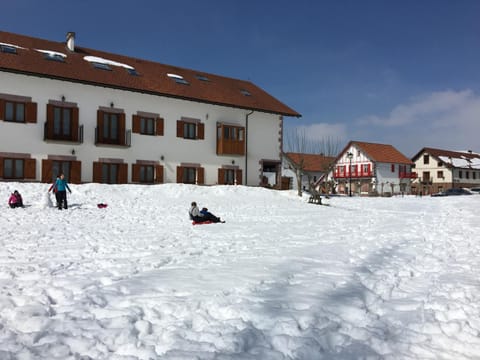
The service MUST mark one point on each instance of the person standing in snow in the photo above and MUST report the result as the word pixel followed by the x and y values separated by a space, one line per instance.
pixel 15 200
pixel 60 189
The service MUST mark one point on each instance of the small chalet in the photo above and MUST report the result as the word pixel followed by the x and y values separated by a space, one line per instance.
pixel 312 168
pixel 438 170
pixel 364 168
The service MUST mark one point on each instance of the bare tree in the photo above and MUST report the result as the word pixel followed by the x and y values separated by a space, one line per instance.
pixel 297 140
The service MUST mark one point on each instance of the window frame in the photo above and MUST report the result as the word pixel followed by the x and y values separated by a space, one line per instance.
pixel 14 166
pixel 15 105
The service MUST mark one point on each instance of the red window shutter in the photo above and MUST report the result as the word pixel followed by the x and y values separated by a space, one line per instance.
pixel 47 170
pixel 30 169
pixel 369 169
pixel 136 124
pixel 121 131
pixel 135 173
pixel 97 172
pixel 75 172
pixel 159 123
pixel 2 109
pixel 159 174
pixel 200 176
pixel 179 174
pixel 239 176
pixel 180 128
pixel 221 176
pixel 201 131
pixel 75 124
pixel 31 112
pixel 100 127
pixel 122 173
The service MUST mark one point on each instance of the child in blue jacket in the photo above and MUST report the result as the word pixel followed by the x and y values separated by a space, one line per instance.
pixel 60 188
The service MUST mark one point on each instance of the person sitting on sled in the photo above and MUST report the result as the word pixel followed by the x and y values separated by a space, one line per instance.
pixel 202 216
pixel 15 200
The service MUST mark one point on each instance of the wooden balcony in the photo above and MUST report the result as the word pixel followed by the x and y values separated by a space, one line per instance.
pixel 407 175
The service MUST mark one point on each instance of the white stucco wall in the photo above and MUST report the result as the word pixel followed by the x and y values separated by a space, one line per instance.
pixel 263 141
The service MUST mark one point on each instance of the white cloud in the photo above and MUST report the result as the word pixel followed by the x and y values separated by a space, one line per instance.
pixel 323 131
pixel 447 119
pixel 425 108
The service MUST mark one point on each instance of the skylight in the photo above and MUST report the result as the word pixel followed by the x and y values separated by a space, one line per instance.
pixel 133 72
pixel 202 77
pixel 101 66
pixel 53 55
pixel 8 49
pixel 178 79
pixel 245 92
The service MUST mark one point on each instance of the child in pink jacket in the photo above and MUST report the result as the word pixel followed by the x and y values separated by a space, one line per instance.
pixel 15 200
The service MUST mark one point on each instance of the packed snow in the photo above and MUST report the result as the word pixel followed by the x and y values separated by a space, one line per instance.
pixel 361 278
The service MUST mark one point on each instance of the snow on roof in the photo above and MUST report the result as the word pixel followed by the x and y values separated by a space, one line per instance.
pixel 11 45
pixel 52 53
pixel 461 162
pixel 96 59
pixel 174 76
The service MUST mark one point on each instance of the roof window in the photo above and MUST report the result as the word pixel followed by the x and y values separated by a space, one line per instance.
pixel 8 49
pixel 101 66
pixel 53 55
pixel 133 72
pixel 178 79
pixel 245 92
pixel 202 77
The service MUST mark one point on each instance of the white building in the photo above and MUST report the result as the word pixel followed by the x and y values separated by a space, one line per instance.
pixel 109 118
pixel 364 168
pixel 438 170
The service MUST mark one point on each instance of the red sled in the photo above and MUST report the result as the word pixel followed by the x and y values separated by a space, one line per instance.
pixel 202 222
pixel 102 206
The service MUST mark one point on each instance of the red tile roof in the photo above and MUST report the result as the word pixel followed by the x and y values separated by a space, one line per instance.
pixel 380 152
pixel 152 77
pixel 312 162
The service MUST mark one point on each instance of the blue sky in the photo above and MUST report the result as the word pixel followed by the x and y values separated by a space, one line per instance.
pixel 406 73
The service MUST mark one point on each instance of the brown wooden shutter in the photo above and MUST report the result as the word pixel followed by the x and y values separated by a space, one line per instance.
pixel 160 124
pixel 201 131
pixel 97 172
pixel 30 169
pixel 121 133
pixel 122 173
pixel 75 123
pixel 50 122
pixel 180 128
pixel 31 112
pixel 179 174
pixel 100 114
pixel 136 173
pixel 47 170
pixel 200 176
pixel 1 167
pixel 238 176
pixel 159 174
pixel 75 172
pixel 221 176
pixel 136 120
pixel 2 109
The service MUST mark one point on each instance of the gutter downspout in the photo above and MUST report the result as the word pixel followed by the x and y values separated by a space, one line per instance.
pixel 246 145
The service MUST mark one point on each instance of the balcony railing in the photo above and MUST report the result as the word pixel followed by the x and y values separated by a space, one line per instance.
pixel 357 174
pixel 124 141
pixel 407 175
pixel 76 136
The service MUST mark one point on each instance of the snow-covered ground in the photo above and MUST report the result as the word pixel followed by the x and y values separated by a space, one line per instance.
pixel 376 278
